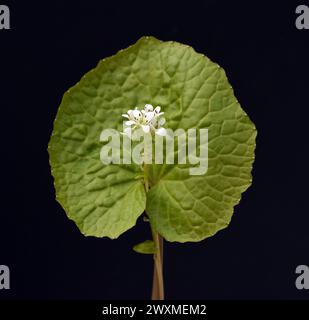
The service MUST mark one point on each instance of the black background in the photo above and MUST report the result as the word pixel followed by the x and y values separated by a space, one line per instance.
pixel 51 44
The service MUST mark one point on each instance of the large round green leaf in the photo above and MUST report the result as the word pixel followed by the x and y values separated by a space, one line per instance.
pixel 106 200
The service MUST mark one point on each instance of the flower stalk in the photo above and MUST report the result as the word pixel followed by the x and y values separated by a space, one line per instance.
pixel 149 120
pixel 158 281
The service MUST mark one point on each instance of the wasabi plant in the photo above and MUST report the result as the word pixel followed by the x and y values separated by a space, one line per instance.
pixel 182 164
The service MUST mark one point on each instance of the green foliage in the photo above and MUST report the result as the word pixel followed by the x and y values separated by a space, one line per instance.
pixel 106 200
pixel 146 247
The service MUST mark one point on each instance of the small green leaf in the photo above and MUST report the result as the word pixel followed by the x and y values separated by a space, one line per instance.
pixel 146 247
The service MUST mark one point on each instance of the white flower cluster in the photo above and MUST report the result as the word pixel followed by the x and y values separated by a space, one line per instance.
pixel 149 120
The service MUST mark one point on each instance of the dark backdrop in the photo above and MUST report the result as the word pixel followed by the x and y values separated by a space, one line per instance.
pixel 51 44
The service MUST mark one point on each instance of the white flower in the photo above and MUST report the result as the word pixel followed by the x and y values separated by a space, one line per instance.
pixel 148 107
pixel 149 120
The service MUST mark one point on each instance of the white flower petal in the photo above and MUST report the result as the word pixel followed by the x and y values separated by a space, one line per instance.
pixel 129 123
pixel 149 116
pixel 161 132
pixel 146 129
pixel 148 107
pixel 157 109
pixel 136 114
